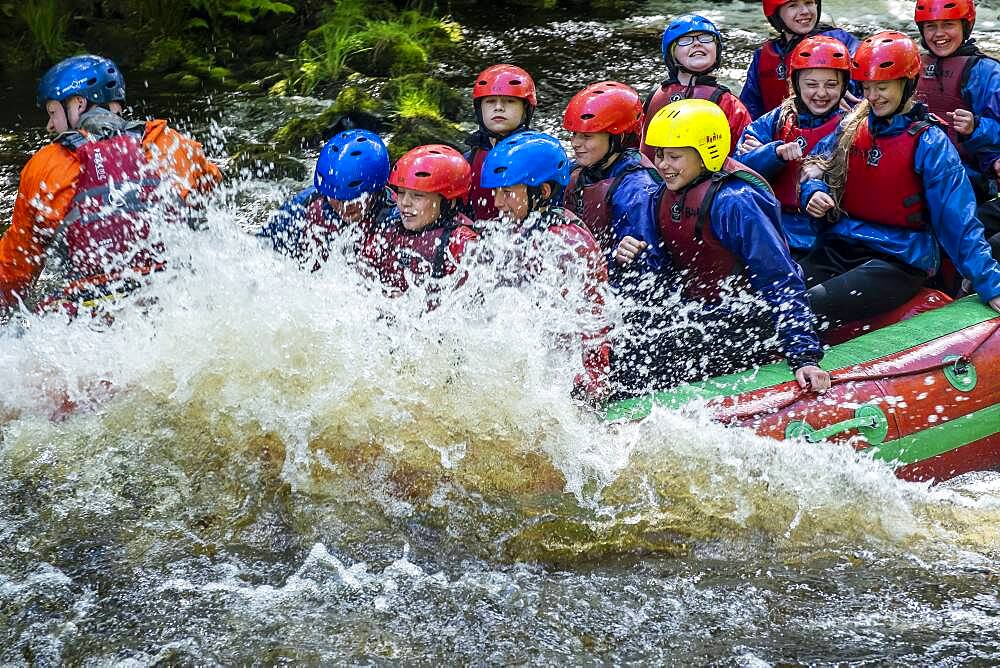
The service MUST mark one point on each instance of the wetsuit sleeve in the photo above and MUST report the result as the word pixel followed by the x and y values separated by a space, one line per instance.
pixel 181 159
pixel 284 229
pixel 952 205
pixel 982 90
pixel 746 221
pixel 764 159
pixel 739 118
pixel 45 194
pixel 750 95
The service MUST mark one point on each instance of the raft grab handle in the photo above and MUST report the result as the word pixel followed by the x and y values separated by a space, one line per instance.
pixel 869 420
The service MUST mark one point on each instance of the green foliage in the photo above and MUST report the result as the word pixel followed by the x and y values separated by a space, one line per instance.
pixel 243 11
pixel 373 41
pixel 47 21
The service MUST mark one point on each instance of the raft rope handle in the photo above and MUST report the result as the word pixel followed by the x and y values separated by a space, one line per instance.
pixel 965 358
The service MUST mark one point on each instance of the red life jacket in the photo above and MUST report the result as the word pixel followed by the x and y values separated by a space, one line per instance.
pixel 117 197
pixel 320 230
pixel 672 90
pixel 684 222
pixel 592 203
pixel 786 183
pixel 882 186
pixel 480 199
pixel 397 254
pixel 772 75
pixel 940 88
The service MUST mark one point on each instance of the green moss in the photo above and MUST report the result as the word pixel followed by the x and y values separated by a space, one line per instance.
pixel 166 54
pixel 404 91
pixel 353 98
pixel 419 130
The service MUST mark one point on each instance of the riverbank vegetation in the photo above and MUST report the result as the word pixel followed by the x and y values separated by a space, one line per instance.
pixel 375 59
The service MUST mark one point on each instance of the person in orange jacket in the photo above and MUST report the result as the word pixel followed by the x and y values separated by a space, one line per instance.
pixel 89 200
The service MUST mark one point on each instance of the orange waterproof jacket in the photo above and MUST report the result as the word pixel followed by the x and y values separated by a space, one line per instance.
pixel 47 188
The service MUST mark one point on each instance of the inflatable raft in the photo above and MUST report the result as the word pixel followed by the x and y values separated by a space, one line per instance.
pixel 922 394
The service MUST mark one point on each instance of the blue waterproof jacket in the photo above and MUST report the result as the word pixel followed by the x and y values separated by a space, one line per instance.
pixel 950 201
pixel 746 222
pixel 287 228
pixel 633 214
pixel 800 229
pixel 982 92
pixel 750 95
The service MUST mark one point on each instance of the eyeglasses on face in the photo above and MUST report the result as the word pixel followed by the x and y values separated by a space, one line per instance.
pixel 688 40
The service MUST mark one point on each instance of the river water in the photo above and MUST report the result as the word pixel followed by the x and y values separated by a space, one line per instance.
pixel 288 468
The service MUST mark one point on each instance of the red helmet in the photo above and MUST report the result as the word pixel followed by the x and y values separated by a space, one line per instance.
pixel 508 80
pixel 608 106
pixel 820 51
pixel 434 168
pixel 945 10
pixel 771 7
pixel 886 56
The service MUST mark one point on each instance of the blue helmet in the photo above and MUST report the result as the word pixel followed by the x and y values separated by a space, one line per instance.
pixel 352 163
pixel 528 157
pixel 95 78
pixel 683 25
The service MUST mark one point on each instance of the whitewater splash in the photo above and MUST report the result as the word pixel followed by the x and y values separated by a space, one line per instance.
pixel 239 400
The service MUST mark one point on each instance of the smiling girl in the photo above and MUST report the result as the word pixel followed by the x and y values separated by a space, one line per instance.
pixel 430 235
pixel 894 189
pixel 767 77
pixel 775 143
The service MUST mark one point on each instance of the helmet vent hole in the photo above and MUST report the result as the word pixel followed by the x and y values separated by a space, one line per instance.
pixel 434 152
pixel 355 153
pixel 515 82
pixel 838 55
pixel 500 170
pixel 481 82
pixel 560 165
pixel 362 139
pixel 354 184
pixel 422 175
pixel 586 117
pixel 886 65
pixel 806 54
pixel 950 5
pixel 91 81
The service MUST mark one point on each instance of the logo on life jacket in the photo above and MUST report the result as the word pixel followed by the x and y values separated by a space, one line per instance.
pixel 675 211
pixel 676 97
pixel 802 142
pixel 930 70
pixel 780 71
pixel 874 156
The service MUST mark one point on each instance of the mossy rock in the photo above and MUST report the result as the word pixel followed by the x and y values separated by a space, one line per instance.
pixel 384 53
pixel 450 103
pixel 354 98
pixel 353 107
pixel 167 54
pixel 262 160
pixel 183 80
pixel 420 130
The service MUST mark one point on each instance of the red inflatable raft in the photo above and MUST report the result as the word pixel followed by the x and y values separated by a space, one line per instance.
pixel 922 394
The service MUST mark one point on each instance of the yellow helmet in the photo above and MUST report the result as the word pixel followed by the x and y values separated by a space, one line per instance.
pixel 700 124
